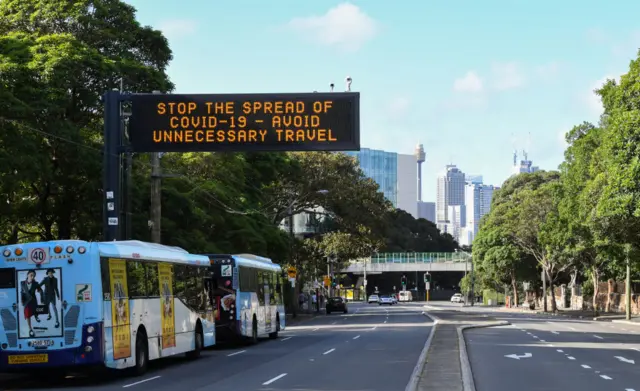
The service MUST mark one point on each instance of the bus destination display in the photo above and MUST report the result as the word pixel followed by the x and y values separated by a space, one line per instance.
pixel 245 122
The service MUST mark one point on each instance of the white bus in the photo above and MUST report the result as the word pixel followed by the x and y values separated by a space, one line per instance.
pixel 71 303
pixel 248 296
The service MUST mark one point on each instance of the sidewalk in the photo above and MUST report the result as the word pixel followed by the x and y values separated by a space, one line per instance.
pixel 442 369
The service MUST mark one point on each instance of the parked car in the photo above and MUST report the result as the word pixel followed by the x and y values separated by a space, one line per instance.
pixel 385 299
pixel 336 304
pixel 457 298
pixel 373 299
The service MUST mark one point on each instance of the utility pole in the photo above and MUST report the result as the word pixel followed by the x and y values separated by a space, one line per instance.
pixel 365 279
pixel 156 195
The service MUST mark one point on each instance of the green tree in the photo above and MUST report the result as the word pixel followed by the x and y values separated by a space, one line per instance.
pixel 60 57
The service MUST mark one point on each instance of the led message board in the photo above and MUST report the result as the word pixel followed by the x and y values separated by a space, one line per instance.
pixel 245 122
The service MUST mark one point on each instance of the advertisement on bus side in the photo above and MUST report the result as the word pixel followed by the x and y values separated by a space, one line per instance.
pixel 120 327
pixel 167 314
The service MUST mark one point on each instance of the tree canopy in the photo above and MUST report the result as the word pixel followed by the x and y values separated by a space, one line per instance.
pixel 57 58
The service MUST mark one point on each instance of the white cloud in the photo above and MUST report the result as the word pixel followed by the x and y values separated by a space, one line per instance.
pixel 470 82
pixel 507 76
pixel 345 26
pixel 178 28
pixel 399 106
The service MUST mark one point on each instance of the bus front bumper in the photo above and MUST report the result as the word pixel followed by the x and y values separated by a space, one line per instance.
pixel 84 355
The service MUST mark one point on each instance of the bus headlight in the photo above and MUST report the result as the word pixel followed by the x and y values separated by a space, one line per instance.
pixel 90 329
pixel 89 339
pixel 69 249
pixel 88 349
pixel 6 252
pixel 82 250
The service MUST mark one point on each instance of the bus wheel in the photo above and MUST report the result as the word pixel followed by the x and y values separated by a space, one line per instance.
pixel 254 331
pixel 199 343
pixel 142 353
pixel 274 335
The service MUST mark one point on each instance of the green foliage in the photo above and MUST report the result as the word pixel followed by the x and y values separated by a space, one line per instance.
pixel 57 58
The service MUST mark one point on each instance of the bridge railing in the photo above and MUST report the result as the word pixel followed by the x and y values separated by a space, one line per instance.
pixel 415 258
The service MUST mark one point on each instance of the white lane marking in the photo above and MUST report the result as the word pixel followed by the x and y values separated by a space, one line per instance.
pixel 385 321
pixel 605 377
pixel 316 329
pixel 542 340
pixel 555 332
pixel 585 366
pixel 636 349
pixel 356 337
pixel 140 382
pixel 597 336
pixel 274 379
pixel 334 322
pixel 550 345
pixel 529 333
pixel 629 389
pixel 571 358
pixel 328 351
pixel 233 354
pixel 559 351
pixel 374 327
pixel 284 339
pixel 535 336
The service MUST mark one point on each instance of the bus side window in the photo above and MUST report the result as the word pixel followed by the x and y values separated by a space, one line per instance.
pixel 106 282
pixel 136 279
pixel 153 286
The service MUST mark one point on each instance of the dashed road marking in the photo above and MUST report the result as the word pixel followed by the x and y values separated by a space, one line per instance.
pixel 284 339
pixel 597 336
pixel 280 376
pixel 605 377
pixel 356 337
pixel 140 382
pixel 585 366
pixel 236 353
pixel 328 351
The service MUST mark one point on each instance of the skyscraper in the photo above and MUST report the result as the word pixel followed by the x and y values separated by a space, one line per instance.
pixel 478 203
pixel 450 192
pixel 395 174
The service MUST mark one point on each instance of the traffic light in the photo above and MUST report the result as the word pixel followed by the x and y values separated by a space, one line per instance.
pixel 404 280
pixel 334 282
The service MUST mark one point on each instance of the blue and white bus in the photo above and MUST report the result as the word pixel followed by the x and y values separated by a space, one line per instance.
pixel 248 296
pixel 72 303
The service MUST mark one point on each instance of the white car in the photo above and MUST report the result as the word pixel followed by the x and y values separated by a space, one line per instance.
pixel 457 298
pixel 373 299
pixel 385 299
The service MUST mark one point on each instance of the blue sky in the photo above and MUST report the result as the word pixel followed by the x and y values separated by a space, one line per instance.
pixel 468 79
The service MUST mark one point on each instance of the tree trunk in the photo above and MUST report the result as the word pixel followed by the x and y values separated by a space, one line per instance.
pixel 554 305
pixel 595 275
pixel 514 286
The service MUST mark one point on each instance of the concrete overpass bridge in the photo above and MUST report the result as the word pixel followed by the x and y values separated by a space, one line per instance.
pixel 385 273
pixel 410 262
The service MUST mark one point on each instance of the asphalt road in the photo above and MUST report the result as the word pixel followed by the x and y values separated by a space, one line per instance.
pixel 554 354
pixel 373 348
